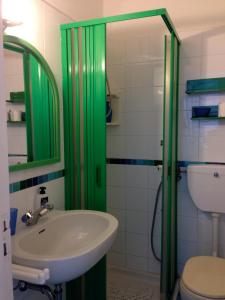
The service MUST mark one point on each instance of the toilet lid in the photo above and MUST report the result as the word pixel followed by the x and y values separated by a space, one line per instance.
pixel 205 276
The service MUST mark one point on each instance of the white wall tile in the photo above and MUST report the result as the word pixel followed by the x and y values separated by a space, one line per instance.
pixel 137 263
pixel 212 66
pixel 214 128
pixel 116 197
pixel 192 46
pixel 137 222
pixel 221 250
pixel 187 207
pixel 204 249
pixel 138 99
pixel 188 127
pixel 158 73
pixel 182 184
pixel 188 228
pixel 213 42
pixel 157 43
pixel 137 244
pixel 158 223
pixel 211 148
pixel 211 99
pixel 137 199
pixel 137 49
pixel 136 176
pixel 153 266
pixel 152 201
pixel 221 236
pixel 186 249
pixel 116 76
pixel 115 49
pixel 119 245
pixel 157 248
pixel 121 217
pixel 155 147
pixel 138 147
pixel 187 101
pixel 205 230
pixel 190 68
pixel 116 146
pixel 154 177
pixel 157 99
pixel 188 148
pixel 138 75
pixel 116 175
pixel 143 123
pixel 116 259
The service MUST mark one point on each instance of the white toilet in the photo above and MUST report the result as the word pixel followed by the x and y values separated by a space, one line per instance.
pixel 203 277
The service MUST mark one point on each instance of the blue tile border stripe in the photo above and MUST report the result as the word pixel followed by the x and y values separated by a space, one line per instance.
pixel 135 162
pixel 149 162
pixel 30 182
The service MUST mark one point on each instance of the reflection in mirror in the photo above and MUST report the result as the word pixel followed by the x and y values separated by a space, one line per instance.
pixel 16 109
pixel 32 106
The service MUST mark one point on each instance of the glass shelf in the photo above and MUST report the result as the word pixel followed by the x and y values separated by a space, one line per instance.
pixel 208 118
pixel 16 122
pixel 210 85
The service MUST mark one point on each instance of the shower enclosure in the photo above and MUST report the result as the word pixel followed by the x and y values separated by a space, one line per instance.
pixel 139 52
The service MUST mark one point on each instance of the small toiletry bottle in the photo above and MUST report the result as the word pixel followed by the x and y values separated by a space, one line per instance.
pixel 42 197
pixel 221 111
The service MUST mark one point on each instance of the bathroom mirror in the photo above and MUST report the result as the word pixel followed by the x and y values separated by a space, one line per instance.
pixel 32 105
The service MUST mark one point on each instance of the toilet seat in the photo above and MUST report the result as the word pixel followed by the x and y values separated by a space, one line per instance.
pixel 186 294
pixel 205 277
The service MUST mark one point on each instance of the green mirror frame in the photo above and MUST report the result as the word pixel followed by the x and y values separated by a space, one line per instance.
pixel 20 45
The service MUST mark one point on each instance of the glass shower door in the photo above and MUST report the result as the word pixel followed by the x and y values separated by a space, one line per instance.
pixel 84 93
pixel 169 177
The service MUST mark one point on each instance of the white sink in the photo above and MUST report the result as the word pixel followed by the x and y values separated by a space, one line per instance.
pixel 68 243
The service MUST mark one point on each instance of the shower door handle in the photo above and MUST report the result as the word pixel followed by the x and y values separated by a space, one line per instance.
pixel 98 176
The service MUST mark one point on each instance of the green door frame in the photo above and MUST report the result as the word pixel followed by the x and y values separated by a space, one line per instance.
pixel 83 63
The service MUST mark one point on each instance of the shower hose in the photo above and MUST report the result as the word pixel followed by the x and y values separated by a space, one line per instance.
pixel 154 216
pixel 153 222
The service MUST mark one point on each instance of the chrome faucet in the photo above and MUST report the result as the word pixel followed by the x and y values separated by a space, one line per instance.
pixel 31 218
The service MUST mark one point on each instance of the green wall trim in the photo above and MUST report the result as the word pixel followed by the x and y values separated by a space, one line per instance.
pixel 34 164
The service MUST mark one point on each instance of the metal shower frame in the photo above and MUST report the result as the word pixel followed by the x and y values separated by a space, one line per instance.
pixel 83 64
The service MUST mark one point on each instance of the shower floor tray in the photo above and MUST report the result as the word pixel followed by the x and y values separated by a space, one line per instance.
pixel 124 286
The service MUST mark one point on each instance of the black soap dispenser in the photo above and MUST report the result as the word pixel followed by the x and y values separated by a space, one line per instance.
pixel 42 197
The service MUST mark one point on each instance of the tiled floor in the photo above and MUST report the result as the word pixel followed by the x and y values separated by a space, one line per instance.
pixel 128 286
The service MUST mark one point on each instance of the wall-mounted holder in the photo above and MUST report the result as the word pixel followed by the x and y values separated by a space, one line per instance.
pixel 206 113
pixel 114 105
pixel 210 85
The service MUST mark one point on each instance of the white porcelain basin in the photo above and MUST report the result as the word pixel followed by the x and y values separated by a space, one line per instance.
pixel 68 243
